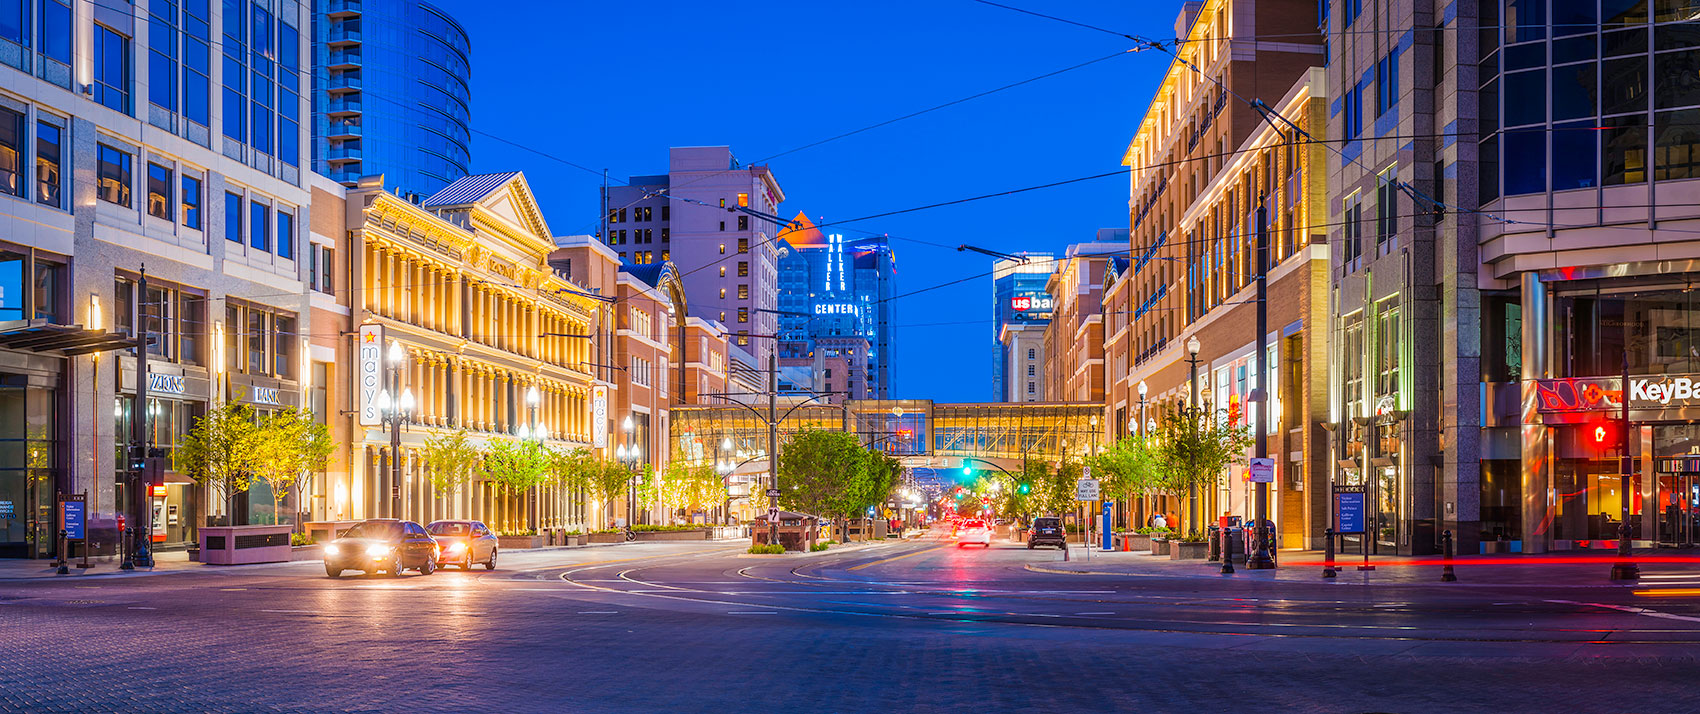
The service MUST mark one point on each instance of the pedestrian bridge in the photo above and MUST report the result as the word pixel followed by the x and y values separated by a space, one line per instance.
pixel 924 435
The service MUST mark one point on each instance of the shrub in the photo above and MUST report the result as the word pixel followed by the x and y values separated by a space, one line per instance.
pixel 300 539
pixel 667 529
pixel 818 547
pixel 516 532
pixel 767 549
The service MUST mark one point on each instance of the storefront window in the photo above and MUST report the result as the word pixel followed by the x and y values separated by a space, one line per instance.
pixel 232 339
pixel 1660 327
pixel 124 307
pixel 46 291
pixel 26 469
pixel 283 347
pixel 12 285
pixel 256 331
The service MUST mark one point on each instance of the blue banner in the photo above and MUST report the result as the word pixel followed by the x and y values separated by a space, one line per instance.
pixel 71 513
pixel 1349 512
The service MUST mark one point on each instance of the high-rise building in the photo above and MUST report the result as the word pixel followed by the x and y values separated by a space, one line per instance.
pixel 830 287
pixel 391 94
pixel 1020 310
pixel 1074 336
pixel 715 219
pixel 139 140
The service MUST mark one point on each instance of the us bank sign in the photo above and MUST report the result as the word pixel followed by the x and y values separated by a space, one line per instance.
pixel 1582 394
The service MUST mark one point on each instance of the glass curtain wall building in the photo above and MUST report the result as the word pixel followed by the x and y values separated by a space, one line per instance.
pixel 1021 308
pixel 832 287
pixel 391 94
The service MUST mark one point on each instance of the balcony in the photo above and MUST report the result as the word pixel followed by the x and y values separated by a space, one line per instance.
pixel 344 9
pixel 348 177
pixel 344 36
pixel 343 155
pixel 344 60
pixel 343 85
pixel 344 107
pixel 342 130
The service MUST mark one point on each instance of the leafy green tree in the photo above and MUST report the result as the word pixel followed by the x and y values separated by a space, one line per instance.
pixel 605 479
pixel 1127 469
pixel 221 451
pixel 289 445
pixel 450 458
pixel 820 471
pixel 1193 448
pixel 515 465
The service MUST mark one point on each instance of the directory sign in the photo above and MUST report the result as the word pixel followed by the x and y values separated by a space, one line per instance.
pixel 71 512
pixel 1349 512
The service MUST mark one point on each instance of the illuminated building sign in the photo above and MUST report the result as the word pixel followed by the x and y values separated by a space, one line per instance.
pixel 371 374
pixel 1584 394
pixel 165 383
pixel 1030 302
pixel 837 309
pixel 599 416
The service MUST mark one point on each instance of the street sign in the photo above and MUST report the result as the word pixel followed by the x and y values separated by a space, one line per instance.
pixel 1349 512
pixel 773 493
pixel 1086 472
pixel 1262 470
pixel 71 517
pixel 1086 490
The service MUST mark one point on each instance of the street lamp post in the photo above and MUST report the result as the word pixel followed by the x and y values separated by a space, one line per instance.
pixel 396 407
pixel 1142 429
pixel 534 431
pixel 1263 557
pixel 1192 395
pixel 1624 568
pixel 628 454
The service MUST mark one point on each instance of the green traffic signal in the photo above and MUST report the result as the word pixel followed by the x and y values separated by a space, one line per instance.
pixel 1024 488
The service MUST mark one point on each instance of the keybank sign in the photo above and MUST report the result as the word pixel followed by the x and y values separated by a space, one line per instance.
pixel 1579 394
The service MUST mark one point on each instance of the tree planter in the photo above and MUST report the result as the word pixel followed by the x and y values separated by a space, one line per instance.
pixel 1159 546
pixel 238 545
pixel 607 538
pixel 1181 550
pixel 519 542
pixel 673 535
pixel 307 552
pixel 1138 541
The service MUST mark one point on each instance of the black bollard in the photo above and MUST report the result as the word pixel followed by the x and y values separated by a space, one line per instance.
pixel 1328 553
pixel 1215 544
pixel 63 547
pixel 1227 553
pixel 1446 574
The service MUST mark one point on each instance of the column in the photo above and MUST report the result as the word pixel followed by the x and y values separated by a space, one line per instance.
pixel 1536 463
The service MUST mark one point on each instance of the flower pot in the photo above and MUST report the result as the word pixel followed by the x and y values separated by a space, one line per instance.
pixel 1159 546
pixel 1182 550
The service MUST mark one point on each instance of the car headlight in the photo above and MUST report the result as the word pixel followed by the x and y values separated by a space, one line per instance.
pixel 331 549
pixel 379 551
pixel 456 547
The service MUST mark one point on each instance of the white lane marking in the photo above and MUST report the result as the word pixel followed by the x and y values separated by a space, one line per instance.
pixel 141 608
pixel 1630 609
pixel 1094 613
pixel 297 612
pixel 1670 575
pixel 751 612
pixel 598 612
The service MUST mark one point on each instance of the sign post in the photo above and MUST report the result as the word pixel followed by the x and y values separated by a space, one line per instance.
pixel 73 526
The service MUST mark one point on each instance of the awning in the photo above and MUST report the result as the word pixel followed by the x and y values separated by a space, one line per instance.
pixel 67 340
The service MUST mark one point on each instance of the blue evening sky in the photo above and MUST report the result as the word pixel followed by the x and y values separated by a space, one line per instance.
pixel 614 84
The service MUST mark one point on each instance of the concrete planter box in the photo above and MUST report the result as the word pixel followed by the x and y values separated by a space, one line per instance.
pixel 1180 550
pixel 1138 541
pixel 519 542
pixel 327 531
pixel 673 535
pixel 1159 546
pixel 607 538
pixel 307 552
pixel 240 545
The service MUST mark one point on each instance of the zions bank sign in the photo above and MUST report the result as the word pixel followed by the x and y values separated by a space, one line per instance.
pixel 1582 394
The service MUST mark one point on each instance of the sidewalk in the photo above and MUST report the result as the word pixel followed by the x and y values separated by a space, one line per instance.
pixel 1563 570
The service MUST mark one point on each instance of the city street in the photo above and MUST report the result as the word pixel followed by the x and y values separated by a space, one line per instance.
pixel 917 625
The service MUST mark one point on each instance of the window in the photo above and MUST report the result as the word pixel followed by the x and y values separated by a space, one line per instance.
pixel 743 245
pixel 47 158
pixel 283 347
pixel 665 256
pixel 1352 112
pixel 114 175
pixel 156 319
pixel 11 152
pixel 722 203
pixel 1623 143
pixel 1351 215
pixel 197 61
pixel 56 30
pixel 111 69
pixel 285 235
pixel 722 271
pixel 1030 388
pixel 191 202
pixel 743 314
pixel 191 325
pixel 233 217
pixel 233 338
pixel 722 225
pixel 743 268
pixel 1527 173
pixel 1387 83
pixel 722 248
pixel 159 191
pixel 666 213
pixel 256 332
pixel 320 259
pixel 1387 211
pixel 723 293
pixel 162 54
pixel 743 292
pixel 1575 155
pixel 1676 152
pixel 46 298
pixel 259 226
pixel 743 223
pixel 665 236
pixel 1030 370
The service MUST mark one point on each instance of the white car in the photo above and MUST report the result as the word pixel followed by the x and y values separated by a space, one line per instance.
pixel 974 532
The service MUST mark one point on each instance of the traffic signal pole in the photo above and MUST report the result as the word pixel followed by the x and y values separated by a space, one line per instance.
pixel 1261 558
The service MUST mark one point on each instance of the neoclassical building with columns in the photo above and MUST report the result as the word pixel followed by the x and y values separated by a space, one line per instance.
pixel 453 310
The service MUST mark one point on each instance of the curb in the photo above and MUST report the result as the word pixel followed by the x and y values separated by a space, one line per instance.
pixel 1339 582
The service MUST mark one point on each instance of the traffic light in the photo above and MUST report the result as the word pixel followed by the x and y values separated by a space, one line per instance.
pixel 1601 435
pixel 1024 488
pixel 967 470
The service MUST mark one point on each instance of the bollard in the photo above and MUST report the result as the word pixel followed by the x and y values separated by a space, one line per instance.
pixel 1446 574
pixel 1328 553
pixel 1216 549
pixel 1065 548
pixel 63 549
pixel 1227 554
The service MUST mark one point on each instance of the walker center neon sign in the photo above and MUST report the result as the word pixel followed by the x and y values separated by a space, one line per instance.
pixel 1581 394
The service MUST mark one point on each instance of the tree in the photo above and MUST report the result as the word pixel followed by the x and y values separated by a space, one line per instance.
pixel 683 486
pixel 515 465
pixel 1127 469
pixel 824 473
pixel 1051 492
pixel 449 460
pixel 220 451
pixel 289 444
pixel 1193 447
pixel 605 479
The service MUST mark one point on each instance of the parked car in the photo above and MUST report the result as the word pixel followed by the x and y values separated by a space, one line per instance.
pixel 1046 530
pixel 463 543
pixel 382 544
pixel 974 532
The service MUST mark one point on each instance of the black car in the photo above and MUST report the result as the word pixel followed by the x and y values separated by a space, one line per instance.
pixel 384 544
pixel 1047 530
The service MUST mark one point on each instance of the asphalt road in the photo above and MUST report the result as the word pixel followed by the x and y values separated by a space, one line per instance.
pixel 896 627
